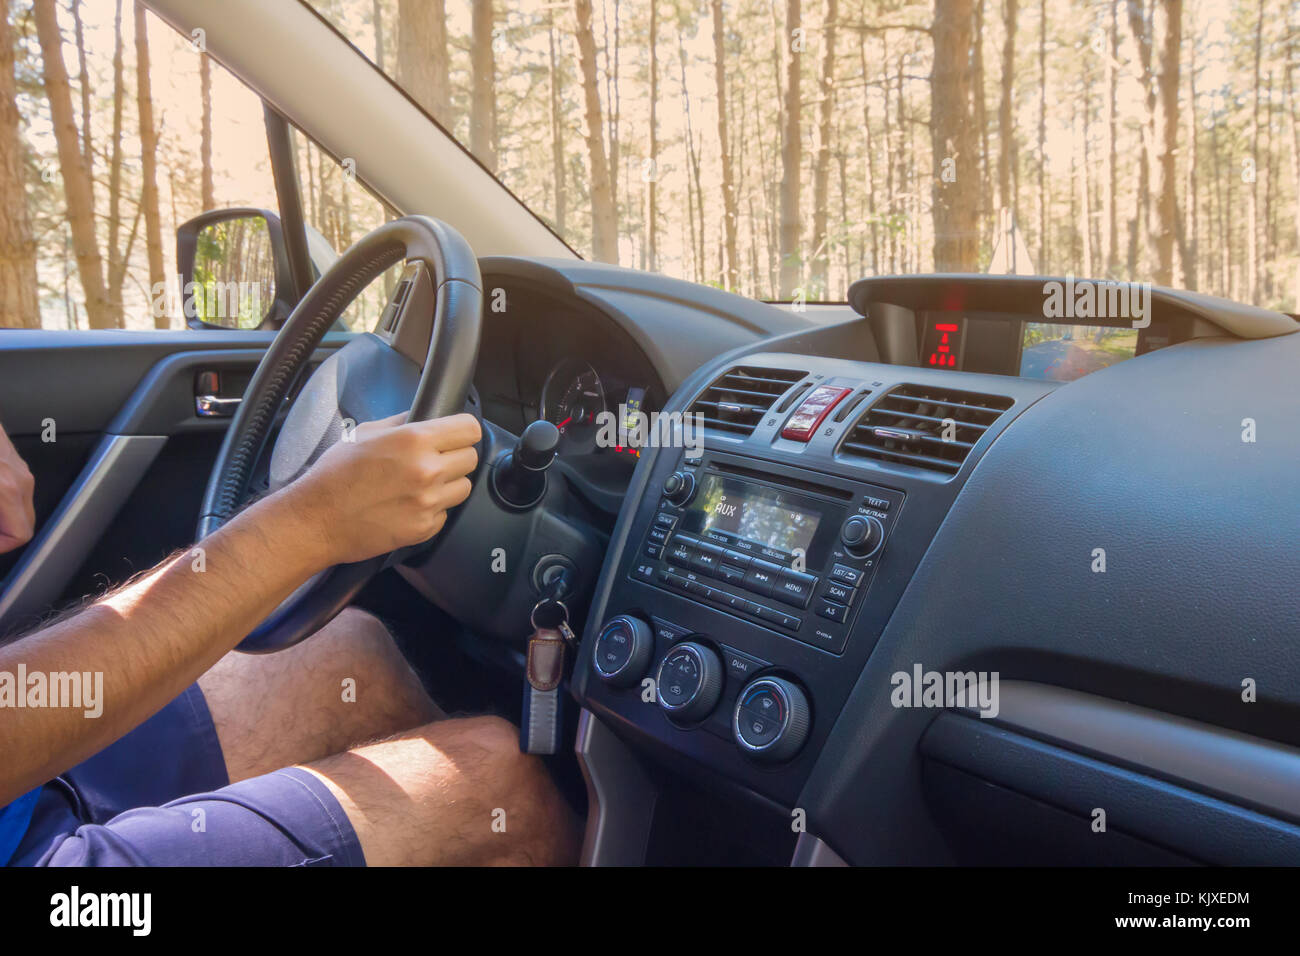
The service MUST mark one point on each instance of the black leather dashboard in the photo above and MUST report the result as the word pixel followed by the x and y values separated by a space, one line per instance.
pixel 1146 460
pixel 1145 463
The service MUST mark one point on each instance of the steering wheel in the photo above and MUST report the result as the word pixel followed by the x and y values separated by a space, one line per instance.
pixel 422 357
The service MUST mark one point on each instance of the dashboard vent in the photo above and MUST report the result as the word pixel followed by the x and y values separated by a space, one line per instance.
pixel 737 400
pixel 906 427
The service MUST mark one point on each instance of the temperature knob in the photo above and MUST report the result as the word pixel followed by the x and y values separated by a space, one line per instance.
pixel 690 682
pixel 771 719
pixel 623 650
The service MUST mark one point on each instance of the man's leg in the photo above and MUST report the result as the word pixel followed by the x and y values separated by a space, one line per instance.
pixel 455 792
pixel 345 685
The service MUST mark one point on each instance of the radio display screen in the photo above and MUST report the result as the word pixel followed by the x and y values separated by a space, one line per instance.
pixel 733 510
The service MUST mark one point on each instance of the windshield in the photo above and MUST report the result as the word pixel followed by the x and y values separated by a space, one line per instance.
pixel 783 149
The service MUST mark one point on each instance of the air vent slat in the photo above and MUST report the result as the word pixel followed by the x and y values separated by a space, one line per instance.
pixel 780 383
pixel 914 416
pixel 933 429
pixel 732 407
pixel 738 399
pixel 979 409
pixel 747 394
pixel 914 458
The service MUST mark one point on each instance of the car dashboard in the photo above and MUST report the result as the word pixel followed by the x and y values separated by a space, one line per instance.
pixel 859 521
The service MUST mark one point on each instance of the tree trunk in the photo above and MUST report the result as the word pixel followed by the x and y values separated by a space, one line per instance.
pixel 1269 224
pixel 693 162
pixel 1142 219
pixel 19 295
pixel 981 117
pixel 791 156
pixel 1006 126
pixel 423 69
pixel 1252 207
pixel 956 241
pixel 1192 217
pixel 652 185
pixel 1085 193
pixel 117 255
pixel 613 102
pixel 148 160
pixel 822 161
pixel 889 258
pixel 771 180
pixel 72 167
pixel 483 84
pixel 1109 176
pixel 1167 34
pixel 1218 178
pixel 604 217
pixel 207 190
pixel 1044 243
pixel 1293 98
pixel 83 83
pixel 869 145
pixel 557 131
pixel 730 263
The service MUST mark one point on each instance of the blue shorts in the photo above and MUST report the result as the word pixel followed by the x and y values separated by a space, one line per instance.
pixel 160 797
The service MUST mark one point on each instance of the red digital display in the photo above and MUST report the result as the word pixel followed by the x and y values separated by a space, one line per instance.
pixel 943 341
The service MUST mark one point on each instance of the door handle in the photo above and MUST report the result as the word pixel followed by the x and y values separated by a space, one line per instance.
pixel 214 406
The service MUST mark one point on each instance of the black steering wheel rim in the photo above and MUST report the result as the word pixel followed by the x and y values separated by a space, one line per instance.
pixel 444 383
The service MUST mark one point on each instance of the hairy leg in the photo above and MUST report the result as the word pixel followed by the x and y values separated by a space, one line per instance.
pixel 455 792
pixel 345 685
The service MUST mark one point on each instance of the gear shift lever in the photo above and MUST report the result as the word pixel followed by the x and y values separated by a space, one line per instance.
pixel 519 477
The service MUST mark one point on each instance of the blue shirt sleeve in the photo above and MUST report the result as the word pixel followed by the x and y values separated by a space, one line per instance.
pixel 14 821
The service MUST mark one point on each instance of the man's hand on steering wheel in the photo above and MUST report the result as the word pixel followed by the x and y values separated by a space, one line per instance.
pixel 394 485
pixel 388 486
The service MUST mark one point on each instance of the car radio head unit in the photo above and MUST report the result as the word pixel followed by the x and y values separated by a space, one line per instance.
pixel 754 519
pixel 792 555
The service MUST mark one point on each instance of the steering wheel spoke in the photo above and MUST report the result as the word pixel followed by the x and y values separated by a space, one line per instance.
pixel 407 320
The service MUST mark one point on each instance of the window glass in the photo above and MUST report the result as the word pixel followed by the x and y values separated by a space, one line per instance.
pixel 95 195
pixel 340 209
pixel 783 148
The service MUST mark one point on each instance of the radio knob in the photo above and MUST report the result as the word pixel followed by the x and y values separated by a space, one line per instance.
pixel 862 535
pixel 623 650
pixel 689 682
pixel 771 719
pixel 679 487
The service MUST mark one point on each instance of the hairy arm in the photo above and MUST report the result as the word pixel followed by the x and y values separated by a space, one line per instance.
pixel 154 637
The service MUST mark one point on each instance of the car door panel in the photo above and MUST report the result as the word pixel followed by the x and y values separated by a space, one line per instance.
pixel 108 425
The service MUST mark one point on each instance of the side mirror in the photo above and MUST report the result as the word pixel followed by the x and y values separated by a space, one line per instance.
pixel 234 270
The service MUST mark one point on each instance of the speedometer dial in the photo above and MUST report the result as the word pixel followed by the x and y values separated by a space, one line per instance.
pixel 573 399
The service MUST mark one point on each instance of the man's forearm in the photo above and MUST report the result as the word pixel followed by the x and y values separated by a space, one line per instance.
pixel 153 638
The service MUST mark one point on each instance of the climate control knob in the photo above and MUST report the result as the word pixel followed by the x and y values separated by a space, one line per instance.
pixel 623 650
pixel 771 719
pixel 689 682
pixel 679 487
pixel 862 535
